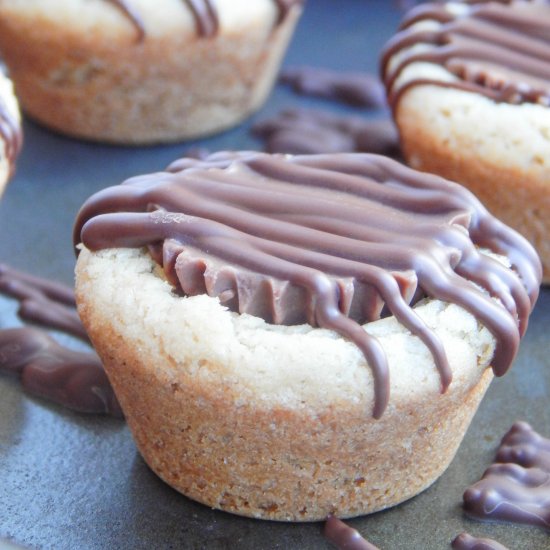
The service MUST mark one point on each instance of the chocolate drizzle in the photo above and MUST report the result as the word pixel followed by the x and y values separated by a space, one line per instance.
pixel 41 301
pixel 309 131
pixel 358 88
pixel 464 541
pixel 330 240
pixel 206 17
pixel 498 49
pixel 129 11
pixel 70 378
pixel 204 12
pixel 344 537
pixel 73 379
pixel 517 486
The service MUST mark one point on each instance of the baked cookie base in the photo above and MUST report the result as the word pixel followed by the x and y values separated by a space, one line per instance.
pixel 102 84
pixel 212 432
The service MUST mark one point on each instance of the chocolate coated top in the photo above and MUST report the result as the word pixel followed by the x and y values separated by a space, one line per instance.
pixel 344 537
pixel 464 541
pixel 517 486
pixel 204 12
pixel 331 240
pixel 500 49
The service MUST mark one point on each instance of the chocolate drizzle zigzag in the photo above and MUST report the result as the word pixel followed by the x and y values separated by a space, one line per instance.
pixel 331 240
pixel 516 487
pixel 498 49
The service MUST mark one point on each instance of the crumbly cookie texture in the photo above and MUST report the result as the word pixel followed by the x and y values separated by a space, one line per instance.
pixel 82 68
pixel 273 421
pixel 465 127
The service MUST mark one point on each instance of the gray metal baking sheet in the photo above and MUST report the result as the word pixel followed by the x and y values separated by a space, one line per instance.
pixel 70 481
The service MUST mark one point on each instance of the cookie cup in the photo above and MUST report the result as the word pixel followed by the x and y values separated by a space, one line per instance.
pixel 275 422
pixel 82 68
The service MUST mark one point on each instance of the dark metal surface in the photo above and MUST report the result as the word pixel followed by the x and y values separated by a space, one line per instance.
pixel 70 481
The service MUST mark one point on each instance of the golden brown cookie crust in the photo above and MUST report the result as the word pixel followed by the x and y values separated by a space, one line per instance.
pixel 292 444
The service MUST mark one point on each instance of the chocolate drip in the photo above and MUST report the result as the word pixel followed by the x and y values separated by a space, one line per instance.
pixel 308 131
pixel 344 537
pixel 204 12
pixel 284 7
pixel 464 541
pixel 357 89
pixel 11 134
pixel 73 379
pixel 206 17
pixel 334 239
pixel 517 486
pixel 130 12
pixel 42 302
pixel 498 49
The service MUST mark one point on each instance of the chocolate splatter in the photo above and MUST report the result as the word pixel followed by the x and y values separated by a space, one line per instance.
pixel 42 302
pixel 344 537
pixel 516 487
pixel 309 131
pixel 73 379
pixel 464 541
pixel 353 88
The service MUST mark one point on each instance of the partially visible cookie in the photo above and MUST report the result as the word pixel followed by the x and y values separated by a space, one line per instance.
pixel 10 130
pixel 469 84
pixel 136 71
